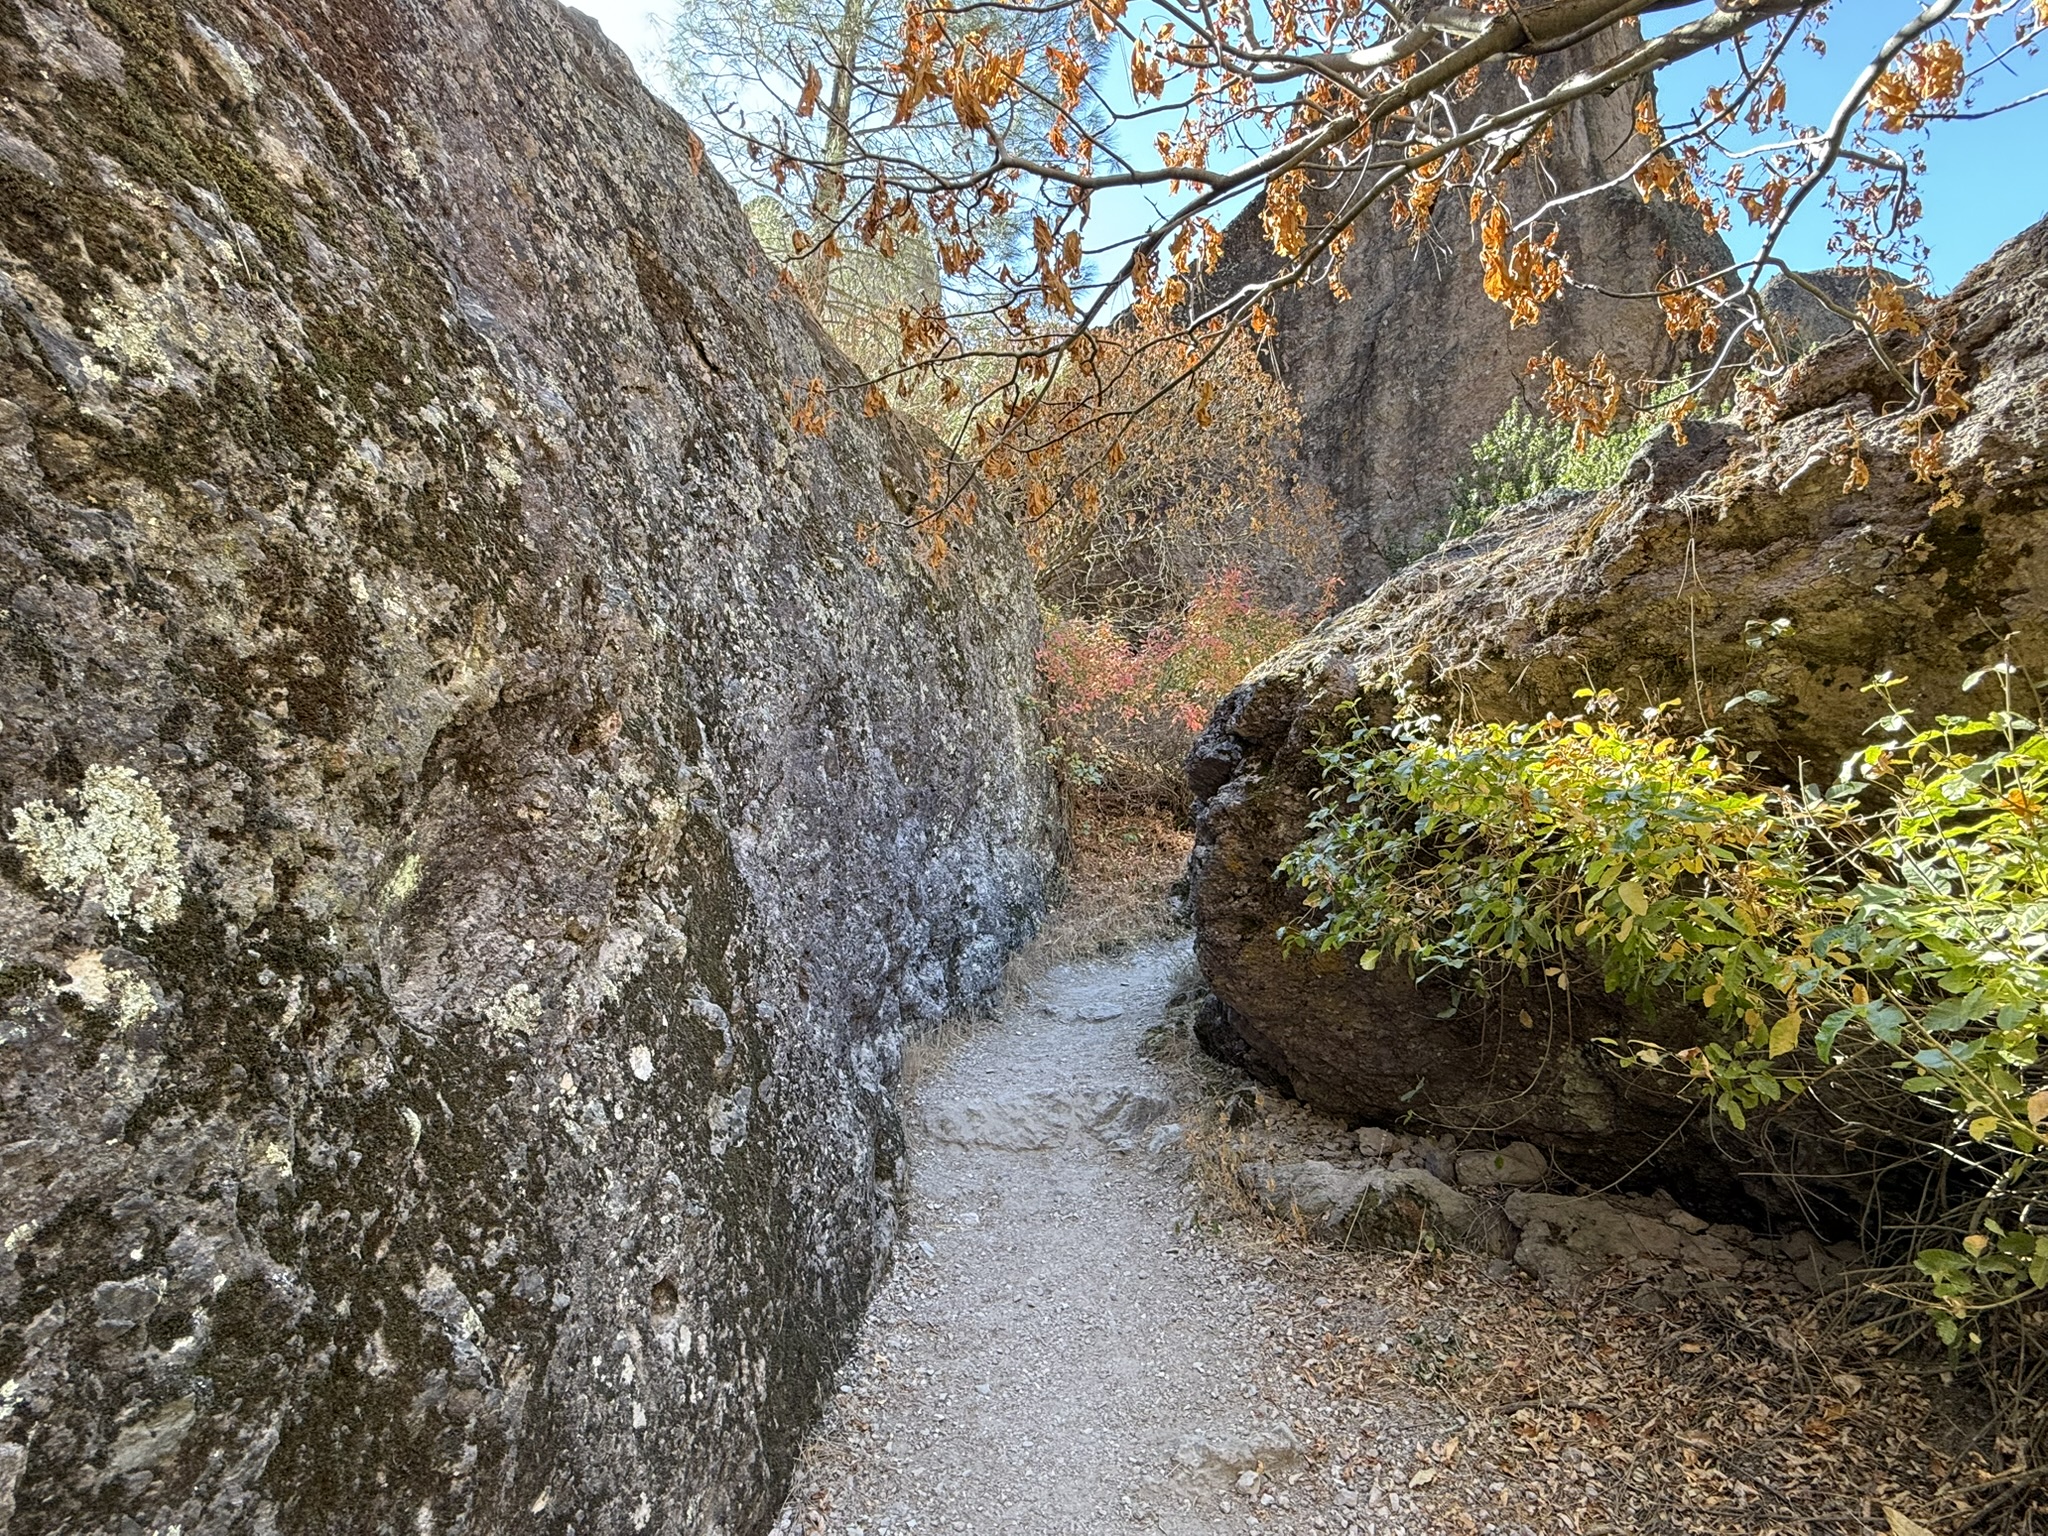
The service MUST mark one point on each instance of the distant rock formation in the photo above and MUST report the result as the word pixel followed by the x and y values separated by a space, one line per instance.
pixel 1397 382
pixel 1650 589
pixel 1811 305
pixel 482 794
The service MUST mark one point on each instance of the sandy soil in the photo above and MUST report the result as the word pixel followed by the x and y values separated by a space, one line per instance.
pixel 1089 1332
pixel 1063 1348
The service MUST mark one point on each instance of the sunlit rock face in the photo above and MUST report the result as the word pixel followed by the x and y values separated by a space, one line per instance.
pixel 1757 568
pixel 1400 376
pixel 484 793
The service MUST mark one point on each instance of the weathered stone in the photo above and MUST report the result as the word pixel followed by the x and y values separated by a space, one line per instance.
pixel 1032 1122
pixel 1402 1206
pixel 484 793
pixel 1665 591
pixel 1567 1241
pixel 1129 1122
pixel 1515 1166
pixel 1378 1144
pixel 1224 1458
pixel 1320 1193
pixel 1397 1208
pixel 1566 1237
pixel 1398 381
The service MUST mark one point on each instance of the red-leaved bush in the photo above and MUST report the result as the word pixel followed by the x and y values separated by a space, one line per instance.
pixel 1123 711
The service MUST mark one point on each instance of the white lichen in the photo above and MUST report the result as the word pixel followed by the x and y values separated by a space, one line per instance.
pixel 517 1012
pixel 294 1004
pixel 727 1120
pixel 109 989
pixel 121 852
pixel 621 957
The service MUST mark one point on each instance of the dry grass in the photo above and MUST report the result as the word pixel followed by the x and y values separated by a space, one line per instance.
pixel 1736 1409
pixel 925 1051
pixel 1120 889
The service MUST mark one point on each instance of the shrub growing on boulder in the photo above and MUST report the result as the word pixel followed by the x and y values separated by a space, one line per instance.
pixel 1894 923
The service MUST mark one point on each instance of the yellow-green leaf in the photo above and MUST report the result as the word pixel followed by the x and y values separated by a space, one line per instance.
pixel 1785 1035
pixel 1983 1126
pixel 1632 897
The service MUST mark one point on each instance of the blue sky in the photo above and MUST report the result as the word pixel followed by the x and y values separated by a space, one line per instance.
pixel 633 25
pixel 1985 181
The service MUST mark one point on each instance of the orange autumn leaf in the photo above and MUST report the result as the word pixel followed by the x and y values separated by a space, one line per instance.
pixel 1524 276
pixel 1285 216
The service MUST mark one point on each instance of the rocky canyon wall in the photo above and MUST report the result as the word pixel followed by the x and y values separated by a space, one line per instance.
pixel 484 793
pixel 1397 381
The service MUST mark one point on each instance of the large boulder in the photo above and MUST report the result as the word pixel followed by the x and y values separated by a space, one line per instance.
pixel 1668 588
pixel 485 792
pixel 1399 380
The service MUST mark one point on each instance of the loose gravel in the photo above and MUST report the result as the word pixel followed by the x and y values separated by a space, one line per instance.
pixel 1063 1347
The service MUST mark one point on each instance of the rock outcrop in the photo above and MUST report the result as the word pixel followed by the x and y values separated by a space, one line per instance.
pixel 485 794
pixel 1669 588
pixel 1812 307
pixel 1399 380
pixel 1376 1188
pixel 1377 1207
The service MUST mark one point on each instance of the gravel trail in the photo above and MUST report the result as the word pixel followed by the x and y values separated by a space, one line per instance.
pixel 1060 1349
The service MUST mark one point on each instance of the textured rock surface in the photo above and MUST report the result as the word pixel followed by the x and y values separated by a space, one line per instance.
pixel 1397 382
pixel 1652 590
pixel 1365 1189
pixel 491 793
pixel 1564 1240
pixel 1398 1208
pixel 1808 305
pixel 1514 1166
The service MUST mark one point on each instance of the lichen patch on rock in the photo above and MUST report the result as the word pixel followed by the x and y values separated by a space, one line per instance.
pixel 120 852
pixel 479 827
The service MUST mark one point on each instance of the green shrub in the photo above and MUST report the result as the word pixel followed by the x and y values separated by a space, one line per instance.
pixel 1524 455
pixel 1901 911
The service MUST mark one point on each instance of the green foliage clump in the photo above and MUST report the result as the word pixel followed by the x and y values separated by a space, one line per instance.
pixel 1523 455
pixel 1895 922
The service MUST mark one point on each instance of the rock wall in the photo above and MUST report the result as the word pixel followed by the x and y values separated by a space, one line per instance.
pixel 484 793
pixel 1400 379
pixel 1656 590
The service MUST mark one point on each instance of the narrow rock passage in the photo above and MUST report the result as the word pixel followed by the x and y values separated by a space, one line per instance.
pixel 1060 1349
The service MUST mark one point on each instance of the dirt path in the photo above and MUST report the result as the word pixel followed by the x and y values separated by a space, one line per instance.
pixel 1076 1341
pixel 1061 1349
